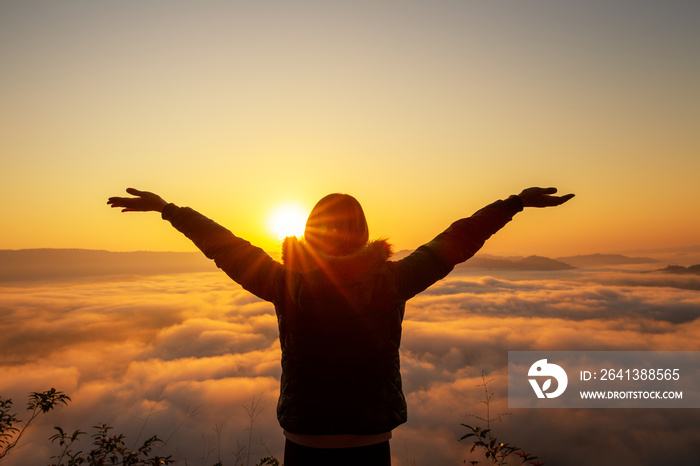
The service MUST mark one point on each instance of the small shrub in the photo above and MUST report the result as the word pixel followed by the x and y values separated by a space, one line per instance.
pixel 108 449
pixel 39 402
pixel 495 451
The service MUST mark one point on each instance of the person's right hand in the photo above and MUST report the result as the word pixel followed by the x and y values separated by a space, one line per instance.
pixel 542 197
pixel 144 202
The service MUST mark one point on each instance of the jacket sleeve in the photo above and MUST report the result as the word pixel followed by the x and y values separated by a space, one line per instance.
pixel 434 260
pixel 247 265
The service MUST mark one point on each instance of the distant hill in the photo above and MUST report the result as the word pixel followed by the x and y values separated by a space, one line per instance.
pixel 601 260
pixel 680 270
pixel 530 263
pixel 490 262
pixel 43 264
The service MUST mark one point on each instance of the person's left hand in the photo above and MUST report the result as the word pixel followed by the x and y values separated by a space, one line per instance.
pixel 144 202
pixel 542 197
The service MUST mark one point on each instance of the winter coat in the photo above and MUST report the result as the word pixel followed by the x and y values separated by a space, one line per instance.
pixel 340 318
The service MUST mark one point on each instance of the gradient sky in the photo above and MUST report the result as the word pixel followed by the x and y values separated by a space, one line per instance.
pixel 425 111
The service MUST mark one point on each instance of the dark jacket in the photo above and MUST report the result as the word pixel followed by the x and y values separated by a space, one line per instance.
pixel 340 317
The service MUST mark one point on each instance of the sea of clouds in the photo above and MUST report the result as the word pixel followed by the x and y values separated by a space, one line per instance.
pixel 186 356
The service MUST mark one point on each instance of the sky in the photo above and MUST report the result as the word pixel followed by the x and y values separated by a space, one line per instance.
pixel 182 355
pixel 424 111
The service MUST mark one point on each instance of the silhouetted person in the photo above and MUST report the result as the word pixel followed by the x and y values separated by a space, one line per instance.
pixel 340 303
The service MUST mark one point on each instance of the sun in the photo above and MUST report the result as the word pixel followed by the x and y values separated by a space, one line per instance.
pixel 287 220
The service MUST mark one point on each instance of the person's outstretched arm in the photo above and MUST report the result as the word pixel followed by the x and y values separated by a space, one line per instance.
pixel 434 260
pixel 246 264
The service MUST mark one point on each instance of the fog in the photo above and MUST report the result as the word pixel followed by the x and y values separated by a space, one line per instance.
pixel 182 355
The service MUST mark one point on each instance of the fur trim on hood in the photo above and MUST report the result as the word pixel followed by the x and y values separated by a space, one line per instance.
pixel 298 257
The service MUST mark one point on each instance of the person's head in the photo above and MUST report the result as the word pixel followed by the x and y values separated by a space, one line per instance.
pixel 337 225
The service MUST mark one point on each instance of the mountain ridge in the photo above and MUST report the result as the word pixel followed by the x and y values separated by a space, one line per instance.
pixel 50 263
pixel 69 263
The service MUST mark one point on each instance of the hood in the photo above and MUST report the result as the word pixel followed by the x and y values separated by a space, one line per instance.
pixel 298 257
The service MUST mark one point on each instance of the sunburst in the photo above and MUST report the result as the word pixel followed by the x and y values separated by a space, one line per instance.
pixel 287 220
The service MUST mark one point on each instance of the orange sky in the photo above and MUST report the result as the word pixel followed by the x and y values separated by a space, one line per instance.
pixel 425 112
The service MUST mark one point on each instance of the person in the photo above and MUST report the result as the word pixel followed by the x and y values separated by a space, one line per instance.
pixel 340 303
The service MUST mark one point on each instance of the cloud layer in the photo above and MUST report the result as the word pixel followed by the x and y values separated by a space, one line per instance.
pixel 183 355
